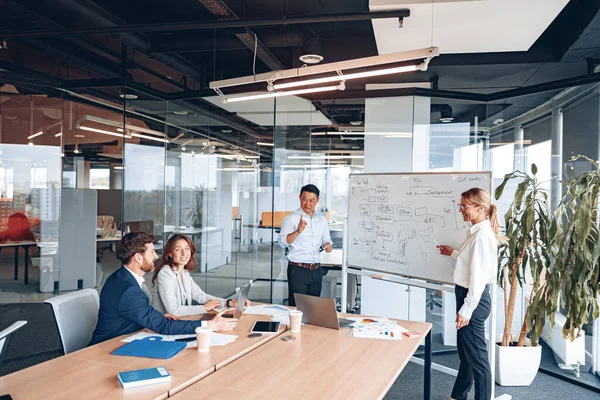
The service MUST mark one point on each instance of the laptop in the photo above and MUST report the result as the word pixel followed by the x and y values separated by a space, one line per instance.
pixel 320 311
pixel 238 310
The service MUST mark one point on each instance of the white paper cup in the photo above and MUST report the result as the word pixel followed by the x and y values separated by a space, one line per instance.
pixel 295 320
pixel 203 334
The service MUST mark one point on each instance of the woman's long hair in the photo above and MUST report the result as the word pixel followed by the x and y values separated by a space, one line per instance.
pixel 480 197
pixel 167 256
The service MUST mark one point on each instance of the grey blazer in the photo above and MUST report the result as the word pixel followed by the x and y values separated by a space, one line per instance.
pixel 169 296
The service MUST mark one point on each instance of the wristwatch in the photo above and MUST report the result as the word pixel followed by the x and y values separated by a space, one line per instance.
pixel 227 303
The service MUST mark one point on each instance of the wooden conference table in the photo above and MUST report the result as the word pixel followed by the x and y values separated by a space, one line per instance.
pixel 320 364
pixel 286 369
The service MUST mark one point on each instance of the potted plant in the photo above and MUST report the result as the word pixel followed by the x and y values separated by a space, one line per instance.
pixel 572 282
pixel 525 253
pixel 196 213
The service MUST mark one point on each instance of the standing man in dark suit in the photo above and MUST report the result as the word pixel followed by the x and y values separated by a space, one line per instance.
pixel 304 233
pixel 125 298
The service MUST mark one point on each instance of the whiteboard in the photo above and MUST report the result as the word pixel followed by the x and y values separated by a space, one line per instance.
pixel 395 219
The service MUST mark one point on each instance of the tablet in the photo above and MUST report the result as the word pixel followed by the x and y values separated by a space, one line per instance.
pixel 265 327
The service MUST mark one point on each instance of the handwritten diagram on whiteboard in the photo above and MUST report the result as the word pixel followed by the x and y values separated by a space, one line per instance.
pixel 395 221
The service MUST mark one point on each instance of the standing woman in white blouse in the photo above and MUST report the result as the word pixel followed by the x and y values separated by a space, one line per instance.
pixel 175 286
pixel 476 266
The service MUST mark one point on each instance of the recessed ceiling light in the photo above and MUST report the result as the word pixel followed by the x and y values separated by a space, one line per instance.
pixel 11 117
pixel 180 112
pixel 226 130
pixel 311 58
pixel 356 123
pixel 447 119
pixel 183 148
pixel 128 96
pixel 78 135
pixel 204 143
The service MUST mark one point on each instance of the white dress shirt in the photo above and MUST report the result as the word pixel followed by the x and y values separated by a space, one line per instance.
pixel 476 264
pixel 305 249
pixel 174 297
pixel 140 279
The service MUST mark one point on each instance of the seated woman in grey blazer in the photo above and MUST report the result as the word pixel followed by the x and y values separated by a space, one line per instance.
pixel 174 288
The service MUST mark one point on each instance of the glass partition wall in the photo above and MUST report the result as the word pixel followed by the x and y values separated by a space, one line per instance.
pixel 127 160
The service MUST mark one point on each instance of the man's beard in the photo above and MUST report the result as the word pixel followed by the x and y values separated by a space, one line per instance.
pixel 147 266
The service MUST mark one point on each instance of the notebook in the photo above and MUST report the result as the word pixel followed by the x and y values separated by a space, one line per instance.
pixel 143 377
pixel 151 347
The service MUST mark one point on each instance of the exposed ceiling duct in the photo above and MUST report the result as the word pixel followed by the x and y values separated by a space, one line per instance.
pixel 288 38
pixel 93 14
pixel 219 9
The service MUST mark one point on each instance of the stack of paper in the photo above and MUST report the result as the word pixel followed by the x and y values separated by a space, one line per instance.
pixel 216 339
pixel 376 328
pixel 278 313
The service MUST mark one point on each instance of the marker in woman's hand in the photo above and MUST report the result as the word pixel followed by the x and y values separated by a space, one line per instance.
pixel 436 243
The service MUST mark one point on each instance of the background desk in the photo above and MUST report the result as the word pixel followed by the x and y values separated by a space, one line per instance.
pixel 91 373
pixel 320 364
pixel 26 246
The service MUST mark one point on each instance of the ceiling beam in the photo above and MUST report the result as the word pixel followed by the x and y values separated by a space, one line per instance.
pixel 206 25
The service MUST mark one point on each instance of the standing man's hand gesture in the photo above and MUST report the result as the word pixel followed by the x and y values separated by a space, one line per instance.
pixel 301 225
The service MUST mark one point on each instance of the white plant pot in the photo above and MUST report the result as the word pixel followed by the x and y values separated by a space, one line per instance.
pixel 517 366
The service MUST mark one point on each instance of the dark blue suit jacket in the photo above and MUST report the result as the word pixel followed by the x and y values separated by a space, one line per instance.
pixel 125 308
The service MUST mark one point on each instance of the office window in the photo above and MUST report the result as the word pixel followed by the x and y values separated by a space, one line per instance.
pixel 503 163
pixel 468 158
pixel 6 183
pixel 339 192
pixel 100 178
pixel 39 177
pixel 540 154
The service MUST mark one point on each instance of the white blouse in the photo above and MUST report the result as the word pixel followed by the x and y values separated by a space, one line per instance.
pixel 173 297
pixel 476 264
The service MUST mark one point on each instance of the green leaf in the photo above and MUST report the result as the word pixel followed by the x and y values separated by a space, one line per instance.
pixel 534 169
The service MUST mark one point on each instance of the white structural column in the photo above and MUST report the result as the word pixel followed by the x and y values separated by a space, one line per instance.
pixel 557 158
pixel 393 151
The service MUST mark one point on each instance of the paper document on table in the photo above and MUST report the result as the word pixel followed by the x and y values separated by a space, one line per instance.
pixel 278 313
pixel 216 339
pixel 376 328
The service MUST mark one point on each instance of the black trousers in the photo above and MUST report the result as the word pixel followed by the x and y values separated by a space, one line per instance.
pixel 303 281
pixel 472 350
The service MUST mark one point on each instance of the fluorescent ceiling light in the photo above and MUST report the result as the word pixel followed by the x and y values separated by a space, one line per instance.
pixel 265 144
pixel 399 135
pixel 323 157
pixel 365 62
pixel 507 143
pixel 235 169
pixel 118 167
pixel 156 139
pixel 118 125
pixel 58 134
pixel 35 135
pixel 280 94
pixel 356 133
pixel 87 128
pixel 178 136
pixel 357 75
pixel 311 166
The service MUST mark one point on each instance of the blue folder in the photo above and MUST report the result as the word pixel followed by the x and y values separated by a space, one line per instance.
pixel 151 347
